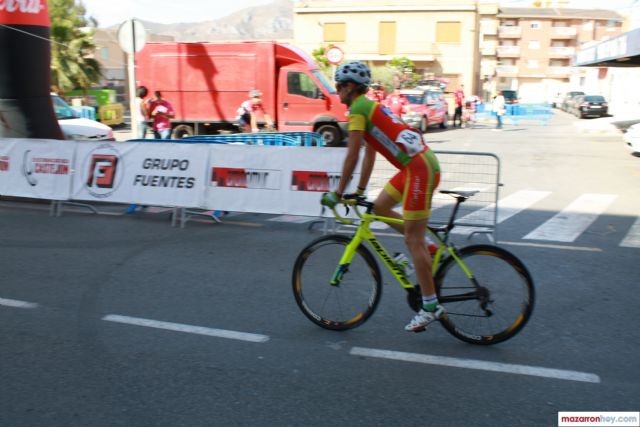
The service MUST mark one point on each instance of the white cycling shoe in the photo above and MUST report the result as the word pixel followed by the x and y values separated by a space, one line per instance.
pixel 423 319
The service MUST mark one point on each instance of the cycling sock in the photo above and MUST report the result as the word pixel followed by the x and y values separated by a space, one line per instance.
pixel 430 302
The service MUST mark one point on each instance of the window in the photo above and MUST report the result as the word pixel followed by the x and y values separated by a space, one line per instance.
pixel 301 84
pixel 532 63
pixel 387 38
pixel 335 31
pixel 536 25
pixel 448 32
pixel 534 44
pixel 104 53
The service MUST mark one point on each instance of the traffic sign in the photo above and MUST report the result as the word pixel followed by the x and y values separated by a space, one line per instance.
pixel 334 55
pixel 132 36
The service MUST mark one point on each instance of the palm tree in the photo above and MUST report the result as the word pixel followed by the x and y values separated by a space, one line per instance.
pixel 72 48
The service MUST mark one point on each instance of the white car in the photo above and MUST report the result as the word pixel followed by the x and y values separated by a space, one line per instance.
pixel 79 129
pixel 632 138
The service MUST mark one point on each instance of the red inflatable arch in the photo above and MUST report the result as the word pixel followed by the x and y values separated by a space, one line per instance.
pixel 26 110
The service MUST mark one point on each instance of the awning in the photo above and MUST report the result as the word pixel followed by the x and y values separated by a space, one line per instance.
pixel 619 51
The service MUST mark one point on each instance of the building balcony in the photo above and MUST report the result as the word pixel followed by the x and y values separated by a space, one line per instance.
pixel 489 28
pixel 508 51
pixel 557 71
pixel 507 70
pixel 509 32
pixel 563 32
pixel 561 51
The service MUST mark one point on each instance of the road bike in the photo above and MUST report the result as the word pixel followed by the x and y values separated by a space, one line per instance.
pixel 487 292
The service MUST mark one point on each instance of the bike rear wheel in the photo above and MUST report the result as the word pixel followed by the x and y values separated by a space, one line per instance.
pixel 342 306
pixel 491 307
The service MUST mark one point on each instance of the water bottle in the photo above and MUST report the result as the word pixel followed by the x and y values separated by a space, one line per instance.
pixel 431 246
pixel 403 263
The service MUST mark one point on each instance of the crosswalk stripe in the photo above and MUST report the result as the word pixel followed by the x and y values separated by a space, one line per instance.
pixel 632 239
pixel 569 223
pixel 507 207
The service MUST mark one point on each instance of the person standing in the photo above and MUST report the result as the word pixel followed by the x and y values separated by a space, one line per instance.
pixel 418 176
pixel 142 111
pixel 499 109
pixel 161 111
pixel 459 101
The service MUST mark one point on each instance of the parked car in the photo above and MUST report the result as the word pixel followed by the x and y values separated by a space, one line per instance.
pixel 426 108
pixel 632 138
pixel 589 106
pixel 510 96
pixel 567 101
pixel 79 129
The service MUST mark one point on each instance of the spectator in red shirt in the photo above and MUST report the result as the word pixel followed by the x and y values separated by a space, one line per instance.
pixel 161 111
pixel 376 92
pixel 397 103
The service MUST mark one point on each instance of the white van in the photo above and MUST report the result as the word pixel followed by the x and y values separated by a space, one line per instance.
pixel 76 128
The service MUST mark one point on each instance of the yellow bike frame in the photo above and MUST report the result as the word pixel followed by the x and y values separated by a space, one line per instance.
pixel 364 233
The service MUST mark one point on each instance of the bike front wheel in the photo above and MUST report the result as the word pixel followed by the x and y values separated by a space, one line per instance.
pixel 343 305
pixel 492 305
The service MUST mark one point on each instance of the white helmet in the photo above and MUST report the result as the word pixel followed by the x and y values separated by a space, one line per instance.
pixel 354 71
pixel 255 93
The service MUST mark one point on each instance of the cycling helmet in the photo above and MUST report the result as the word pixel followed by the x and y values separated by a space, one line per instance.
pixel 354 71
pixel 255 93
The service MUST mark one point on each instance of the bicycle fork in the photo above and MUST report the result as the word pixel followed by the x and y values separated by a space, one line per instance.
pixel 345 261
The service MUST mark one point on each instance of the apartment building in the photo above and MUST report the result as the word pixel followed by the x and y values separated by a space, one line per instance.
pixel 439 37
pixel 535 47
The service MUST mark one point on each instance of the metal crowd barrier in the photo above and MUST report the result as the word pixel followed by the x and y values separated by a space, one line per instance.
pixel 460 170
pixel 304 139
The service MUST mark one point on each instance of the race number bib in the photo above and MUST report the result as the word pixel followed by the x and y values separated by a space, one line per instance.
pixel 412 142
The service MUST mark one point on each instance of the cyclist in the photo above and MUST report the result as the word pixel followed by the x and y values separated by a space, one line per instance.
pixel 413 185
pixel 250 110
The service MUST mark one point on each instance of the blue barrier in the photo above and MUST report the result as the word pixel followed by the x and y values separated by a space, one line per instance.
pixel 85 112
pixel 295 139
pixel 289 139
pixel 516 113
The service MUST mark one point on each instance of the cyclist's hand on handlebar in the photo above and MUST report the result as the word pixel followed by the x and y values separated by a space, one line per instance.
pixel 330 200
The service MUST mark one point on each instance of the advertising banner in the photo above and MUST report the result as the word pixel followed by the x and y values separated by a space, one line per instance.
pixel 276 180
pixel 34 168
pixel 158 174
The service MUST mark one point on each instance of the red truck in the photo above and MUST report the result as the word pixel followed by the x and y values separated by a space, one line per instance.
pixel 207 82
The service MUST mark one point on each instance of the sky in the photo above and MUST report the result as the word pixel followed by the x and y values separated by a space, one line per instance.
pixel 113 12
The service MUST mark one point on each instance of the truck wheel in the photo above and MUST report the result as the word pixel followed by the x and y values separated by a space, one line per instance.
pixel 182 131
pixel 331 135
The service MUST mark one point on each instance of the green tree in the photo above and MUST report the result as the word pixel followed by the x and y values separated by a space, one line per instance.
pixel 404 69
pixel 72 48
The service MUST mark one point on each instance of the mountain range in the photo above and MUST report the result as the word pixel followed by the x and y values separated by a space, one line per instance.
pixel 273 21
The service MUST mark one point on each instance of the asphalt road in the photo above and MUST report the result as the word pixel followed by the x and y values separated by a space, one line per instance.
pixel 124 320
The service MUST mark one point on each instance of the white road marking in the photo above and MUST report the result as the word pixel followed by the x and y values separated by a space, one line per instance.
pixel 17 303
pixel 454 362
pixel 296 219
pixel 179 327
pixel 507 207
pixel 569 223
pixel 632 239
pixel 550 246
